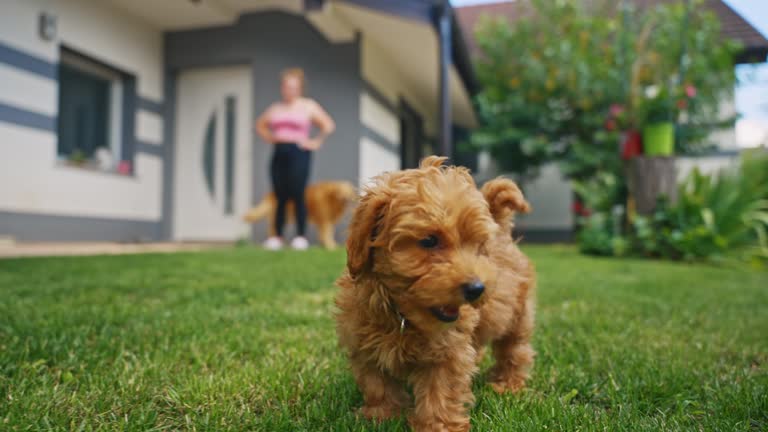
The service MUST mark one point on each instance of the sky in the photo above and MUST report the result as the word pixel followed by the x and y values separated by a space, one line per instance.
pixel 752 90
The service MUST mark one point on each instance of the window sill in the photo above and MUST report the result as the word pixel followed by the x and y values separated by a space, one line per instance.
pixel 92 167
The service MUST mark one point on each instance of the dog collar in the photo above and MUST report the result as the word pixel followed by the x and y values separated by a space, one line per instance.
pixel 400 317
pixel 403 322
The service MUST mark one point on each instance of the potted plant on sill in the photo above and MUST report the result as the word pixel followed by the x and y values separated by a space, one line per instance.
pixel 77 158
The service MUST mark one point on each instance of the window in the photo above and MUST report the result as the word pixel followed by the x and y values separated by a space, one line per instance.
pixel 90 112
pixel 229 154
pixel 211 147
pixel 209 154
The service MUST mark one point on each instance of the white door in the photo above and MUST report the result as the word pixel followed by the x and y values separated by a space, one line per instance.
pixel 212 175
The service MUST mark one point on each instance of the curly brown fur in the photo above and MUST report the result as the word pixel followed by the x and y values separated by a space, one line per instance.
pixel 326 203
pixel 394 274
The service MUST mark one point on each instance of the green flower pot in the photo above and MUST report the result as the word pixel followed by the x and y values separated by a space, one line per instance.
pixel 659 139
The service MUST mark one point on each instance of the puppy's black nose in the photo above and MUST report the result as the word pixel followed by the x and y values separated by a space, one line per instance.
pixel 473 290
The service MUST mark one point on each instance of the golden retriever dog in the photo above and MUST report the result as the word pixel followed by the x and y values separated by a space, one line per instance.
pixel 326 203
pixel 432 277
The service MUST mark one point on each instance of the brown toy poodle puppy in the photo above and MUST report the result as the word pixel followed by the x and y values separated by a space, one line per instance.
pixel 432 276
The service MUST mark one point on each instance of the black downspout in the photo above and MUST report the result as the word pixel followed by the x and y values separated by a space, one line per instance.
pixel 169 156
pixel 444 39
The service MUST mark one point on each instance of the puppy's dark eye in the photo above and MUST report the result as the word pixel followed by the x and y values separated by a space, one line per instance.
pixel 428 242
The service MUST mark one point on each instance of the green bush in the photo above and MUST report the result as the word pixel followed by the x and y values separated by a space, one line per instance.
pixel 600 235
pixel 595 237
pixel 679 232
pixel 715 217
pixel 754 171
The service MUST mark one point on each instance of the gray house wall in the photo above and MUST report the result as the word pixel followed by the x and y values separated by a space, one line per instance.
pixel 28 226
pixel 271 42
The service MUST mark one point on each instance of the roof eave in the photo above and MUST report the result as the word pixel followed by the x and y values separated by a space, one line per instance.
pixel 461 57
pixel 428 11
pixel 753 54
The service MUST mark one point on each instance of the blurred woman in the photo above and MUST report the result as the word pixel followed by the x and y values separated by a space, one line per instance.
pixel 287 124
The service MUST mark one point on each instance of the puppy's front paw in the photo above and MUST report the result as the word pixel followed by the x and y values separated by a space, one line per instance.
pixel 438 426
pixel 508 385
pixel 380 412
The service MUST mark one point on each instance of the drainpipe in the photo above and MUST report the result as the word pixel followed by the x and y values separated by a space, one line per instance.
pixel 445 140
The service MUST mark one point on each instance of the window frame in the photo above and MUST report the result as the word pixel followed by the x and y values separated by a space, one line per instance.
pixel 120 105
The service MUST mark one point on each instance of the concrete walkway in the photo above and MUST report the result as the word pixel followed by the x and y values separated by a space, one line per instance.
pixel 14 250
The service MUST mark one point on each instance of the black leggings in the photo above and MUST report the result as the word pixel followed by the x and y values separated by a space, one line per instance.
pixel 289 171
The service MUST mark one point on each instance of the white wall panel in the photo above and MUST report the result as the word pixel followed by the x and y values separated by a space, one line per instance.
pixel 149 127
pixel 31 92
pixel 375 159
pixel 34 181
pixel 379 118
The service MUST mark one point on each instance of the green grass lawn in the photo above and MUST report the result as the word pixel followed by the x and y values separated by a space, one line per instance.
pixel 244 340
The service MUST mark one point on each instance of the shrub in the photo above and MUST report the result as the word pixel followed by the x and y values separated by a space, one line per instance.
pixel 594 237
pixel 716 216
pixel 601 235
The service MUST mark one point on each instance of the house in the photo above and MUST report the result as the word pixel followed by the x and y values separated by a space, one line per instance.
pixel 131 120
pixel 550 194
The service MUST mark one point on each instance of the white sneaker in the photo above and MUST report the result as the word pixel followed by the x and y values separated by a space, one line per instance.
pixel 273 244
pixel 299 243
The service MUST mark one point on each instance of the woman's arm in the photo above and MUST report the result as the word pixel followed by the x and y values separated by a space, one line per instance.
pixel 262 126
pixel 324 122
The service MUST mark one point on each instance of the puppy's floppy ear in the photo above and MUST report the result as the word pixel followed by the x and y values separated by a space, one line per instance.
pixel 432 161
pixel 363 229
pixel 504 199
